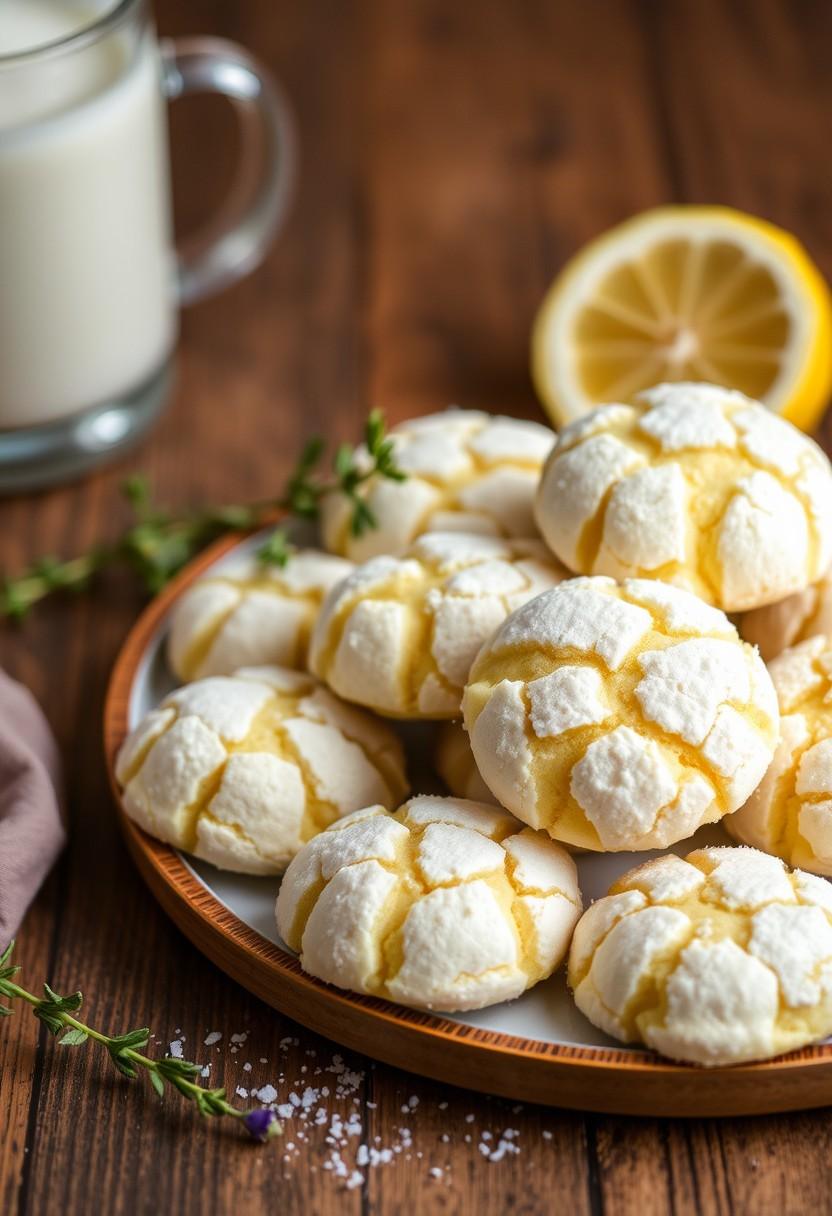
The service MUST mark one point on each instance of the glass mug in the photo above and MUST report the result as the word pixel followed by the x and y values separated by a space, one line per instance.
pixel 90 280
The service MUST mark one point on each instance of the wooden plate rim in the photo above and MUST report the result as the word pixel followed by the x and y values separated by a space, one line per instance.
pixel 576 1071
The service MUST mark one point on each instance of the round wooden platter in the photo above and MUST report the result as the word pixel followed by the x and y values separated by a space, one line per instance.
pixel 582 1077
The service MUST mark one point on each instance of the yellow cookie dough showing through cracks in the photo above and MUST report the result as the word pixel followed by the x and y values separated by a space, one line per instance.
pixel 446 904
pixel 620 716
pixel 466 471
pixel 240 771
pixel 720 958
pixel 790 812
pixel 695 485
pixel 247 614
pixel 399 634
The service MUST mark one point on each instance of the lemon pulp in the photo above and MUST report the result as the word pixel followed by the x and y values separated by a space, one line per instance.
pixel 687 293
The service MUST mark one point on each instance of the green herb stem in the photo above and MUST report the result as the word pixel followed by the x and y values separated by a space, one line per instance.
pixel 57 1013
pixel 158 544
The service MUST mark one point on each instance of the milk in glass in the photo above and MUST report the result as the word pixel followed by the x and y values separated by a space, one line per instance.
pixel 87 293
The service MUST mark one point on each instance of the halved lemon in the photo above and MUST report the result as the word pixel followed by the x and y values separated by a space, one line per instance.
pixel 687 293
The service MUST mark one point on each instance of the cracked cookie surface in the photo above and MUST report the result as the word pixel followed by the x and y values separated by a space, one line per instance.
pixel 466 471
pixel 720 958
pixel 247 614
pixel 242 770
pixel 446 904
pixel 693 484
pixel 620 716
pixel 399 634
pixel 790 812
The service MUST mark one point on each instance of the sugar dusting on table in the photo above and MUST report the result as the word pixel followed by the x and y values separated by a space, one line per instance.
pixel 328 1095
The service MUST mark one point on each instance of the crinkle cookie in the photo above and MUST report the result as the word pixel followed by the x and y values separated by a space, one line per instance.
pixel 790 812
pixel 806 614
pixel 695 485
pixel 466 472
pixel 445 905
pixel 456 765
pixel 720 958
pixel 399 634
pixel 242 770
pixel 620 716
pixel 249 614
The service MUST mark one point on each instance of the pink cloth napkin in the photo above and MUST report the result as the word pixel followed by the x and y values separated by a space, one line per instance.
pixel 31 825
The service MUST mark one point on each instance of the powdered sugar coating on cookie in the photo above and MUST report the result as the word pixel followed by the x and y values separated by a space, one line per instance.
pixel 399 634
pixel 693 484
pixel 619 717
pixel 241 770
pixel 720 958
pixel 247 614
pixel 467 471
pixel 790 812
pixel 447 904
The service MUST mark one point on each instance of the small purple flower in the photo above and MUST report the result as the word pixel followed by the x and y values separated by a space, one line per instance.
pixel 262 1123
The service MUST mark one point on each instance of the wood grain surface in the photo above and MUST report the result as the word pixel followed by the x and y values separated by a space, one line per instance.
pixel 452 156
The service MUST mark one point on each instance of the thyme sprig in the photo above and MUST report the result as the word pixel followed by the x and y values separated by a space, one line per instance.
pixel 158 543
pixel 57 1013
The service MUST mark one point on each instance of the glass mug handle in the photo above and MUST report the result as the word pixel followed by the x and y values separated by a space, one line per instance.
pixel 237 239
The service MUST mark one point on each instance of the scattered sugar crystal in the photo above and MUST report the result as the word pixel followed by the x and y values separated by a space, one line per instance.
pixel 212 1038
pixel 241 1092
pixel 239 1039
pixel 175 1049
pixel 246 1067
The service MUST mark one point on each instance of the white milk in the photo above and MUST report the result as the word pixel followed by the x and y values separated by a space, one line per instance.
pixel 87 293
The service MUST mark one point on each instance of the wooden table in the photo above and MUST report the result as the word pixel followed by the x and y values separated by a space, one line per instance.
pixel 452 157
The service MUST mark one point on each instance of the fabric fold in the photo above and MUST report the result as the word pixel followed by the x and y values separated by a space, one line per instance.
pixel 32 830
